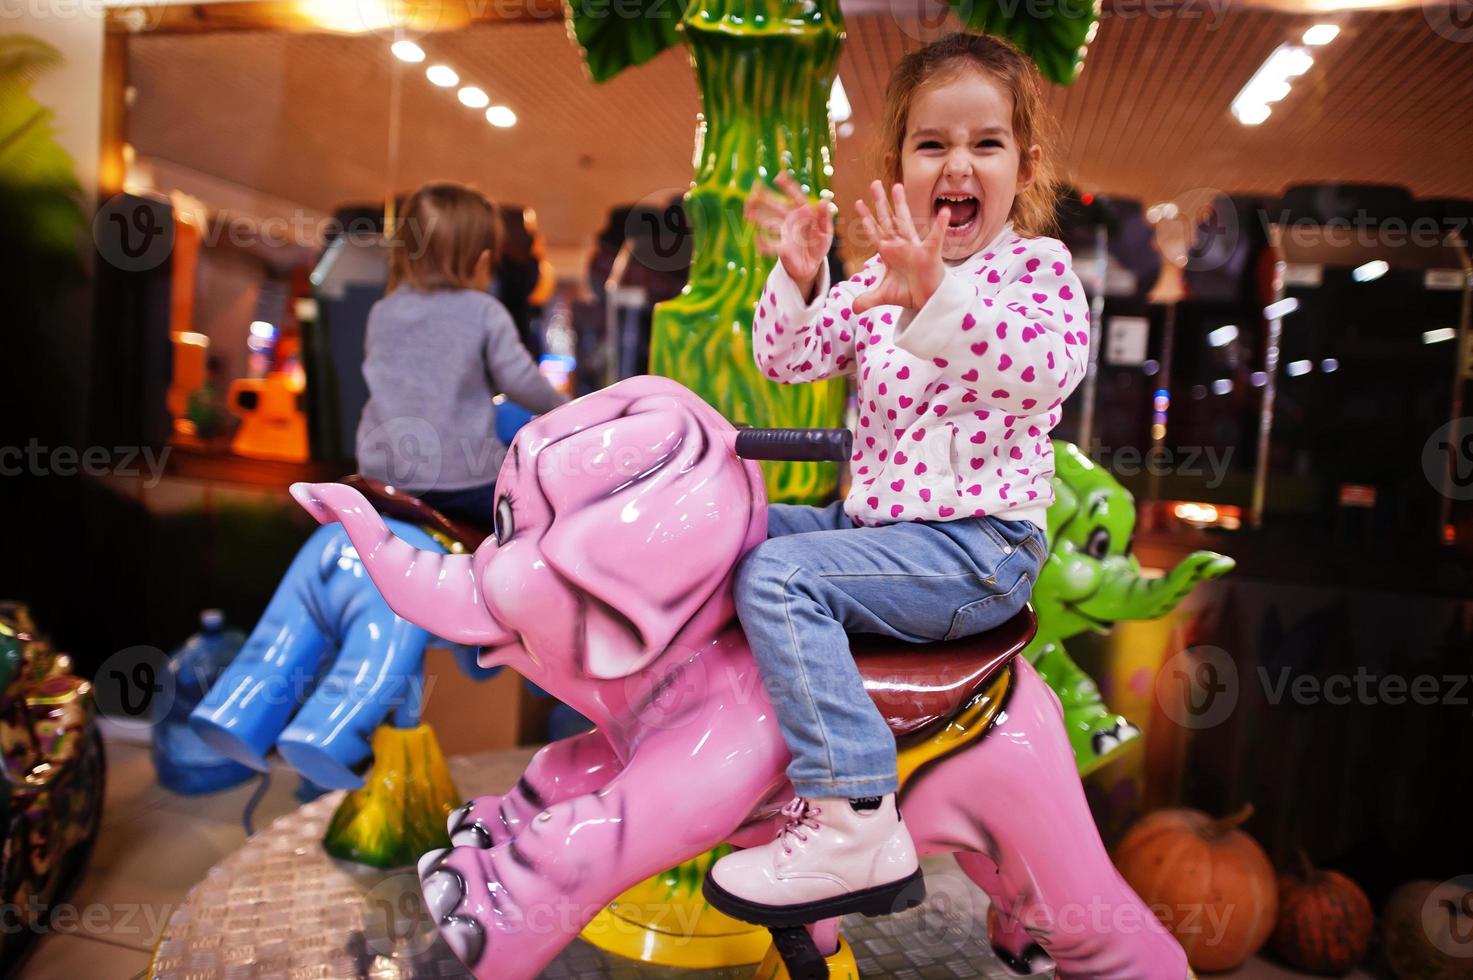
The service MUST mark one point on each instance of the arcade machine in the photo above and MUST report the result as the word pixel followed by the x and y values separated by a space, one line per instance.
pixel 1369 317
pixel 1116 260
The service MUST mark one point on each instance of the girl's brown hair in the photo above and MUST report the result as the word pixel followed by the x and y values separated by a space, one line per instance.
pixel 944 59
pixel 441 233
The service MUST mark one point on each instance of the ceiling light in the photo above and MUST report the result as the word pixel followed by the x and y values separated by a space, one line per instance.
pixel 1251 114
pixel 1282 308
pixel 442 75
pixel 1258 379
pixel 1296 368
pixel 1329 365
pixel 1268 92
pixel 473 97
pixel 1270 83
pixel 501 117
pixel 1321 34
pixel 1288 61
pixel 1371 271
pixel 1223 336
pixel 408 51
pixel 1222 386
pixel 1439 335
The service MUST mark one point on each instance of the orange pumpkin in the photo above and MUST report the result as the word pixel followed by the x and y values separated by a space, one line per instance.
pixel 1208 882
pixel 1325 920
pixel 1428 930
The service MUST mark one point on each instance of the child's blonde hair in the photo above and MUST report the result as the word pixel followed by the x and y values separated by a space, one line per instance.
pixel 441 233
pixel 1033 211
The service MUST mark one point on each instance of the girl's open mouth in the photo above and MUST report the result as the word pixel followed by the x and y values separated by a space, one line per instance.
pixel 964 208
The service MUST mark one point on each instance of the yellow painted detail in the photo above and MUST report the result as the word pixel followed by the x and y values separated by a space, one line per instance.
pixel 962 730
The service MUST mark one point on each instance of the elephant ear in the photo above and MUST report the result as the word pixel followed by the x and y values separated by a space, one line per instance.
pixel 617 34
pixel 647 528
pixel 1055 36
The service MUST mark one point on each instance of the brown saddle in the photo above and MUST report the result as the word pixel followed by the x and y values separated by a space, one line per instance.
pixel 406 507
pixel 916 686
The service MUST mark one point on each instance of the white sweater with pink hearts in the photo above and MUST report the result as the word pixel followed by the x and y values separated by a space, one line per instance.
pixel 956 400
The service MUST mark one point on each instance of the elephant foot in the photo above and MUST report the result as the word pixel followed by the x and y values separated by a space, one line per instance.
pixel 1015 947
pixel 1097 735
pixel 1104 740
pixel 400 812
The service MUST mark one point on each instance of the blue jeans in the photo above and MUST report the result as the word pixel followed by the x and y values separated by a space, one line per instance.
pixel 818 576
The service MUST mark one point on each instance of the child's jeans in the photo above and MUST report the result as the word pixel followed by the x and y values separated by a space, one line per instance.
pixel 818 576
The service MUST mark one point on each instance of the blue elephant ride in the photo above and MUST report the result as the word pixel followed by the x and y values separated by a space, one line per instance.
pixel 332 680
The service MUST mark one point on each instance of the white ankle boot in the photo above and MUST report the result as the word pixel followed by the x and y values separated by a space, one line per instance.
pixel 828 860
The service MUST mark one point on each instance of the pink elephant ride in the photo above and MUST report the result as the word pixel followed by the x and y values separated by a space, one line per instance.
pixel 608 582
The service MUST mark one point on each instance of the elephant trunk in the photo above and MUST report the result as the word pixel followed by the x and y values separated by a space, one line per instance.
pixel 1126 594
pixel 436 591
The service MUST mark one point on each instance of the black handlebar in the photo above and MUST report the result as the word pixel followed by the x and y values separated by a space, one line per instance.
pixel 795 445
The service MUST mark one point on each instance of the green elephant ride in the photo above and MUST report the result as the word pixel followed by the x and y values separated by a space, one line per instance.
pixel 1091 581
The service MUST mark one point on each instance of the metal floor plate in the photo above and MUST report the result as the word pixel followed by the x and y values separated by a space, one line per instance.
pixel 280 908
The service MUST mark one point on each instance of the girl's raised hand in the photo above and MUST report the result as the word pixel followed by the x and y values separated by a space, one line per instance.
pixel 798 231
pixel 913 266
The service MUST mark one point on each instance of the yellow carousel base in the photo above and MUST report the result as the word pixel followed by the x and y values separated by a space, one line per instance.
pixel 841 965
pixel 666 921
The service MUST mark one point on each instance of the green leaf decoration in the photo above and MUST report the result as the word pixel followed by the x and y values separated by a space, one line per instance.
pixel 616 34
pixel 34 170
pixel 1054 33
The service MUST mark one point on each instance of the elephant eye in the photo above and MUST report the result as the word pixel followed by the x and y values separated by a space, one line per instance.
pixel 1098 545
pixel 506 524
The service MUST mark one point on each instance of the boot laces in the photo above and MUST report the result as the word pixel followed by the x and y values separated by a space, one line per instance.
pixel 799 816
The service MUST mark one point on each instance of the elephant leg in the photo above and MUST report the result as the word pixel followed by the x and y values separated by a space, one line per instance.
pixel 247 707
pixel 562 770
pixel 507 911
pixel 1016 799
pixel 377 671
pixel 1096 734
pixel 1012 944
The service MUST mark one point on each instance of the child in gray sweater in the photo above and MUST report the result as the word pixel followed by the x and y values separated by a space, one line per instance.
pixel 438 348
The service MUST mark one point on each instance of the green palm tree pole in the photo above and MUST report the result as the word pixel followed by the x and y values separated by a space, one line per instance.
pixel 765 69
